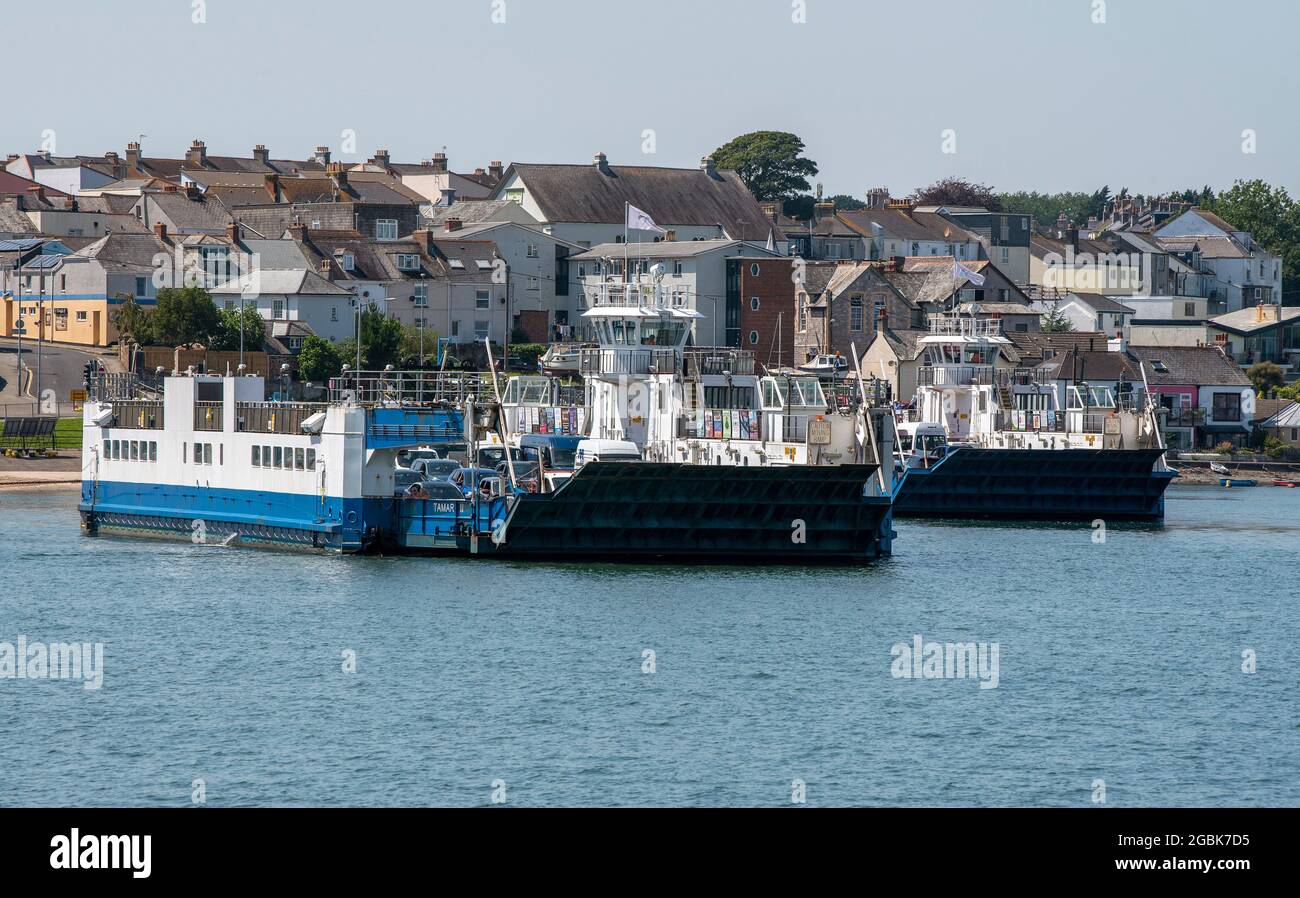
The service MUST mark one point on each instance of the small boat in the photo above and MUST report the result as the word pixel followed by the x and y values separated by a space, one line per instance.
pixel 1292 484
pixel 561 358
pixel 1220 469
pixel 826 365
pixel 1229 482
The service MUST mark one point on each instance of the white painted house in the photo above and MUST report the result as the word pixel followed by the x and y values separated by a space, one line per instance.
pixel 294 295
pixel 1239 272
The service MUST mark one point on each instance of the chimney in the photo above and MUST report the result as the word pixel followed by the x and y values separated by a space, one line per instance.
pixel 325 269
pixel 260 154
pixel 38 191
pixel 424 239
pixel 272 183
pixel 769 209
pixel 322 155
pixel 878 198
pixel 823 210
pixel 232 232
pixel 602 164
pixel 439 162
pixel 448 196
pixel 160 230
pixel 298 232
pixel 338 174
pixel 451 224
pixel 13 157
pixel 670 236
pixel 496 169
pixel 115 163
pixel 191 191
pixel 381 158
pixel 197 153
pixel 708 167
pixel 133 154
pixel 1072 238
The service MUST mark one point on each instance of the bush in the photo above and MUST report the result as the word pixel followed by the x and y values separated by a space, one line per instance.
pixel 318 360
pixel 1224 448
pixel 1274 447
pixel 528 353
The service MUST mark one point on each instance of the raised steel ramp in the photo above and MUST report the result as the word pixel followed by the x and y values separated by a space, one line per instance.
pixel 1038 484
pixel 644 510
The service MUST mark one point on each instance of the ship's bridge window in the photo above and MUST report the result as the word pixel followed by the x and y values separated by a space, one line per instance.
pixel 527 391
pixel 664 332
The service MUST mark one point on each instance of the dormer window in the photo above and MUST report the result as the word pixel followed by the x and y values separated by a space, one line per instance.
pixel 408 262
pixel 483 264
pixel 347 261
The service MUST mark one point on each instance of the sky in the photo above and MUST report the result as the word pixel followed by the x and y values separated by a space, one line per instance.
pixel 1017 94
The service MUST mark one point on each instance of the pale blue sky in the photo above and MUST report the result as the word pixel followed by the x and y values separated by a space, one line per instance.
pixel 1039 96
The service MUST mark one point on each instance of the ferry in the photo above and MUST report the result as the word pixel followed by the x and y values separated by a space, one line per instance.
pixel 989 441
pixel 213 461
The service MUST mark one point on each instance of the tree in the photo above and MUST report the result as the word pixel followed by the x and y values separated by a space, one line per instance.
pixel 1047 207
pixel 183 315
pixel 226 336
pixel 381 341
pixel 799 207
pixel 1265 376
pixel 1271 217
pixel 318 360
pixel 957 192
pixel 845 203
pixel 1055 322
pixel 769 163
pixel 132 321
pixel 410 349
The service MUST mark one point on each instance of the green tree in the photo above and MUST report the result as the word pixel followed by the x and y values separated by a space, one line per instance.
pixel 1055 322
pixel 1271 217
pixel 957 192
pixel 183 315
pixel 769 162
pixel 845 203
pixel 381 342
pixel 318 360
pixel 1265 376
pixel 1047 207
pixel 132 321
pixel 229 321
pixel 410 348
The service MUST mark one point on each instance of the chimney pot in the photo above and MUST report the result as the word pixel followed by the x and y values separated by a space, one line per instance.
pixel 197 153
pixel 260 154
pixel 323 155
pixel 439 162
pixel 452 224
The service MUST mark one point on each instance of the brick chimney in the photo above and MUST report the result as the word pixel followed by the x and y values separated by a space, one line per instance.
pixel 326 269
pixel 272 184
pixel 424 239
pixel 823 210
pixel 197 154
pixel 37 191
pixel 115 163
pixel 322 155
pixel 769 209
pixel 439 162
pixel 133 154
pixel 298 232
pixel 602 163
pixel 160 230
pixel 708 166
pixel 381 158
pixel 232 232
pixel 877 197
pixel 339 175
pixel 496 169
pixel 260 154
pixel 451 224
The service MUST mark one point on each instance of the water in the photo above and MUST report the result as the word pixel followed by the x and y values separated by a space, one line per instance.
pixel 1119 661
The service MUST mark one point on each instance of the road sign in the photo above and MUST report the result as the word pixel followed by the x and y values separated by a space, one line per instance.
pixel 19 327
pixel 76 395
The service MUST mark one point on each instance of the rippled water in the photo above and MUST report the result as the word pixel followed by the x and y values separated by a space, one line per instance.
pixel 1120 661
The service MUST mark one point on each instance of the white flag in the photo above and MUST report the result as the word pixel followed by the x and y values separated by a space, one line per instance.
pixel 961 273
pixel 640 221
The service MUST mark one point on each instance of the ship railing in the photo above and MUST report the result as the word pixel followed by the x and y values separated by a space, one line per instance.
pixel 965 326
pixel 718 360
pixel 409 387
pixel 954 375
pixel 138 414
pixel 109 386
pixel 208 415
pixel 274 417
pixel 1021 377
pixel 626 295
pixel 628 361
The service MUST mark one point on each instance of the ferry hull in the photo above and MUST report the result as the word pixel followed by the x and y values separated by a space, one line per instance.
pixel 244 517
pixel 699 513
pixel 1038 484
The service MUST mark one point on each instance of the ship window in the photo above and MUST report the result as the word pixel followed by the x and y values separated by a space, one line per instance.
pixel 184 450
pixel 153 451
pixel 299 460
pixel 278 456
pixel 135 450
pixel 221 453
pixel 266 456
pixel 257 456
pixel 207 453
pixel 108 448
pixel 311 459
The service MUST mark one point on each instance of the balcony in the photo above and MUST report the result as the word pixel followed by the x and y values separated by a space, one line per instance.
pixel 616 362
pixel 954 375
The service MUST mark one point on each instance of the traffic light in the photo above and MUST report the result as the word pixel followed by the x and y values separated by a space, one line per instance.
pixel 87 373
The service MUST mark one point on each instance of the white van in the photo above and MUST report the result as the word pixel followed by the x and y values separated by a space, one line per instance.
pixel 605 450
